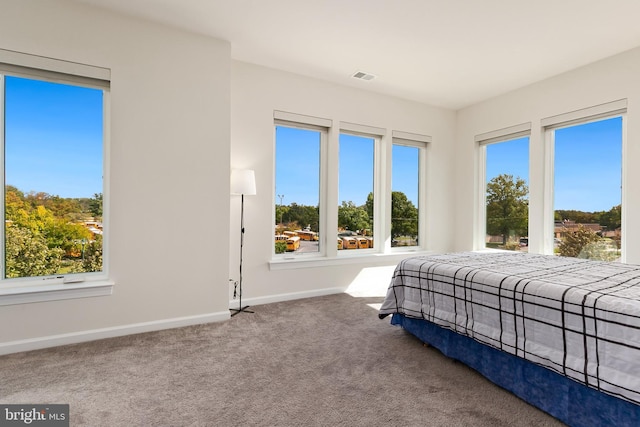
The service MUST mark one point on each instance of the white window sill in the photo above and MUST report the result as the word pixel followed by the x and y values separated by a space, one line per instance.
pixel 369 258
pixel 31 294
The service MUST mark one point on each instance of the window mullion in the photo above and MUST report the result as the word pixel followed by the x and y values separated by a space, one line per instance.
pixel 330 192
pixel 380 182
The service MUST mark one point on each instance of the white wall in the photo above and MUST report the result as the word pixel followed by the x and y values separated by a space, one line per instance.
pixel 169 173
pixel 183 113
pixel 607 80
pixel 256 93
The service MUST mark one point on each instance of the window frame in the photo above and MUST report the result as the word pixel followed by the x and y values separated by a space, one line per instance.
pixel 482 141
pixel 587 115
pixel 329 158
pixel 541 189
pixel 422 144
pixel 377 228
pixel 297 121
pixel 58 287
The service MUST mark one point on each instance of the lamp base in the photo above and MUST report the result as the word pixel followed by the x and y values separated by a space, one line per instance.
pixel 235 311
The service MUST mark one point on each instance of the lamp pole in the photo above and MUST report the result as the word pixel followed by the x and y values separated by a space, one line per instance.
pixel 243 182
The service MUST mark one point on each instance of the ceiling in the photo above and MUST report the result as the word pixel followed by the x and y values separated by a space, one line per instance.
pixel 448 53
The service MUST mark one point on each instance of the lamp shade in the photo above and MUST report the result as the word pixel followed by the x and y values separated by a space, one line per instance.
pixel 243 181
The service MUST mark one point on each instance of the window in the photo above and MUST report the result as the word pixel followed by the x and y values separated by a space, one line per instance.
pixel 577 186
pixel 405 192
pixel 503 196
pixel 356 191
pixel 333 191
pixel 298 228
pixel 587 188
pixel 507 195
pixel 53 167
pixel 504 184
pixel 53 178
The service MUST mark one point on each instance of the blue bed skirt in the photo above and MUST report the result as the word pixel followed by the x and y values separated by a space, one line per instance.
pixel 572 403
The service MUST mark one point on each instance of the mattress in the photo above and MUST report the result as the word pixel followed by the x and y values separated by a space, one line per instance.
pixel 577 317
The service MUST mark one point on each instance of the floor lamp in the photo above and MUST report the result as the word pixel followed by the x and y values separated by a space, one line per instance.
pixel 243 182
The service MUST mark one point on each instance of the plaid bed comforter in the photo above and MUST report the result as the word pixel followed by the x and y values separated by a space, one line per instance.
pixel 577 317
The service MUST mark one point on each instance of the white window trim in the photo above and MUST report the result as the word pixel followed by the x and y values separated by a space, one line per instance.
pixel 32 294
pixel 370 258
pixel 31 290
pixel 377 134
pixel 50 69
pixel 421 142
pixel 549 125
pixel 300 121
pixel 382 253
pixel 482 140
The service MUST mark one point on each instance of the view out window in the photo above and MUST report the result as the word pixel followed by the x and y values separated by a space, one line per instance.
pixel 297 192
pixel 507 194
pixel 345 184
pixel 53 178
pixel 405 184
pixel 355 192
pixel 587 190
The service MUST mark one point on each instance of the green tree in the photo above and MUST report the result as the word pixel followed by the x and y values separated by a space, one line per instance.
pixel 65 235
pixel 38 219
pixel 28 254
pixel 368 205
pixel 281 246
pixel 611 219
pixel 68 208
pixel 404 216
pixel 304 215
pixel 95 206
pixel 352 217
pixel 507 206
pixel 92 256
pixel 14 204
pixel 585 243
pixel 282 214
pixel 577 216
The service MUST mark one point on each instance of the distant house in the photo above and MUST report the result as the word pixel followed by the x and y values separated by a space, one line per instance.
pixel 563 227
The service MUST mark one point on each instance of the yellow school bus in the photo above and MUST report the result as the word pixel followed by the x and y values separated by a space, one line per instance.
pixel 363 243
pixel 307 235
pixel 293 243
pixel 349 242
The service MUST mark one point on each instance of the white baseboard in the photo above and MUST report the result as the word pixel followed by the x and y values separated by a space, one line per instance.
pixel 136 328
pixel 285 297
pixel 116 331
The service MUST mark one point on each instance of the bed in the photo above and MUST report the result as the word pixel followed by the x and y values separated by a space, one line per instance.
pixel 561 333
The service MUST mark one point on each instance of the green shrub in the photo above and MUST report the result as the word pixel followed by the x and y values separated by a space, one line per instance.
pixel 281 246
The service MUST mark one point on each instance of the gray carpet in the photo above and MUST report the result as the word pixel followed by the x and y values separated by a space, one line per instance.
pixel 326 361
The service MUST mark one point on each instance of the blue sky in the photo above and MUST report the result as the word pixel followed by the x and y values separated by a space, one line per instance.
pixel 405 171
pixel 587 164
pixel 53 138
pixel 299 181
pixel 300 149
pixel 53 144
pixel 509 157
pixel 355 174
pixel 588 159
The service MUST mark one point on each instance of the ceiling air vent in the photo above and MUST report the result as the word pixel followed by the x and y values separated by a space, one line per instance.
pixel 360 75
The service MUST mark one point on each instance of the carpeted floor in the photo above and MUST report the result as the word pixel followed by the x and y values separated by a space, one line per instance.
pixel 325 361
